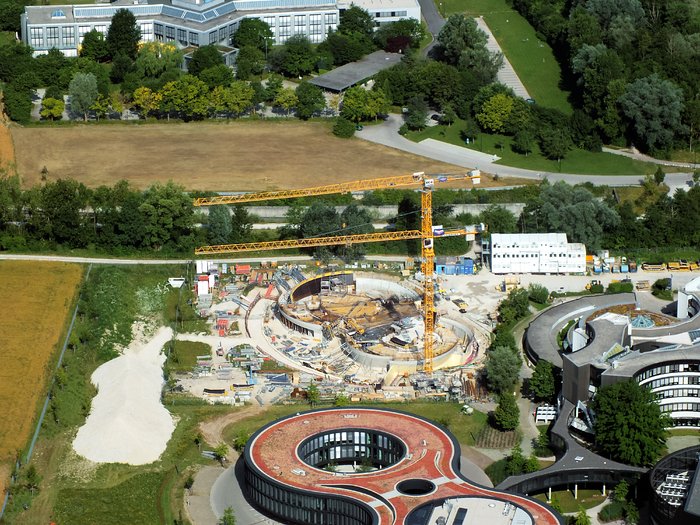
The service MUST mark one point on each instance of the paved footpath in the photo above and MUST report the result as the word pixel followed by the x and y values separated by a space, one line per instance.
pixel 506 75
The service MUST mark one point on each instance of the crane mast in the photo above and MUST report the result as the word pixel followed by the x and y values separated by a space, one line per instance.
pixel 426 233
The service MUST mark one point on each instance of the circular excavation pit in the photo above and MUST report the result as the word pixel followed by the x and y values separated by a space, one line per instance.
pixel 377 321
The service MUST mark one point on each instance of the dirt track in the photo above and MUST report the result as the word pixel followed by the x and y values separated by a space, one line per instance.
pixel 217 156
pixel 213 429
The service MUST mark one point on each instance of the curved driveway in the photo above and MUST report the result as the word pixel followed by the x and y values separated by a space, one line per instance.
pixel 387 134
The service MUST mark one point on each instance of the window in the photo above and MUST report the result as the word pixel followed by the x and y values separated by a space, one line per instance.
pixel 182 36
pixel 58 13
pixel 158 29
pixel 315 20
pixel 101 29
pixel 146 30
pixel 169 33
pixel 331 18
pixel 51 36
pixel 68 36
pixel 36 37
pixel 212 37
pixel 284 33
pixel 223 34
pixel 270 20
pixel 194 39
pixel 285 21
pixel 81 32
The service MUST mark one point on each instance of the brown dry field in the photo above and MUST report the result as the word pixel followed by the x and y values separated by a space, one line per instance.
pixel 36 298
pixel 7 152
pixel 234 156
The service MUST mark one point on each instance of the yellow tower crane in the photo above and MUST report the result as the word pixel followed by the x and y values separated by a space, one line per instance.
pixel 427 233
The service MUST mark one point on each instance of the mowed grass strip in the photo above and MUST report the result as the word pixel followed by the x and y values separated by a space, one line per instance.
pixel 532 58
pixel 216 156
pixel 36 298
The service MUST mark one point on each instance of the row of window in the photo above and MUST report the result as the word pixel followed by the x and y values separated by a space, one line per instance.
pixel 55 36
pixel 672 380
pixel 307 509
pixel 387 14
pixel 668 369
pixel 678 392
pixel 348 446
pixel 680 407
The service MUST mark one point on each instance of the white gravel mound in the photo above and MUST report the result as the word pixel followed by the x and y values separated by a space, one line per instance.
pixel 127 422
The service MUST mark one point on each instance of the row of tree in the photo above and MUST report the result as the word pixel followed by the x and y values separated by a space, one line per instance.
pixel 632 65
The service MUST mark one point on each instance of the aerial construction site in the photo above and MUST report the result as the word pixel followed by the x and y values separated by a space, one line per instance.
pixel 352 325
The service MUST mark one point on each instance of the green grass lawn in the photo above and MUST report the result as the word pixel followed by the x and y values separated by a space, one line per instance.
pixel 183 355
pixel 675 432
pixel 465 428
pixel 587 498
pixel 531 57
pixel 576 161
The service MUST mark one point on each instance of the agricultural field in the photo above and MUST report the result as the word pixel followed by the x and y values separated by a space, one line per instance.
pixel 37 299
pixel 238 156
pixel 7 153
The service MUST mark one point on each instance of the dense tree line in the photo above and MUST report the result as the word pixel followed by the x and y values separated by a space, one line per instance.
pixel 114 71
pixel 632 65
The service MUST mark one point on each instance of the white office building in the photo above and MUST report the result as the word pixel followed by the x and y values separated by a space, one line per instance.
pixel 549 253
pixel 193 23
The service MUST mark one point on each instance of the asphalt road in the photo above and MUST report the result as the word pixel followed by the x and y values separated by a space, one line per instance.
pixel 387 135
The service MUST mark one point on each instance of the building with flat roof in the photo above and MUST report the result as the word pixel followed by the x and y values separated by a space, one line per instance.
pixel 536 253
pixel 198 22
pixel 303 469
pixel 675 488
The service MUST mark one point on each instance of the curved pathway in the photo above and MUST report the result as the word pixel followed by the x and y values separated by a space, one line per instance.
pixel 632 153
pixel 387 134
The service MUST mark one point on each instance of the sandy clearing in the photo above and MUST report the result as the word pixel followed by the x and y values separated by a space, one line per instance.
pixel 127 422
pixel 217 156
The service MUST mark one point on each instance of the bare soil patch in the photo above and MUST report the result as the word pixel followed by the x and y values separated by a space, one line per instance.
pixel 36 298
pixel 217 156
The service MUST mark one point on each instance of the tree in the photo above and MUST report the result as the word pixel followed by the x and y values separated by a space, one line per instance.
pixel 203 58
pixel 190 97
pixel 459 34
pixel 220 75
pixel 52 109
pixel 417 113
pixel 83 93
pixel 32 479
pixel 574 211
pixel 523 142
pixel 355 104
pixel 154 59
pixel 538 293
pixel 629 425
pixel 499 219
pixel 356 20
pixel 621 491
pixel 343 128
pixel 219 231
pixel 507 414
pixel 312 394
pixel 310 100
pixel 123 35
pixel 448 115
pixel 345 47
pixel 241 225
pixel 541 384
pixel 659 176
pixel 654 107
pixel 61 203
pixel 515 461
pixel 167 216
pixel 94 46
pixel 228 518
pixel 250 62
pixel 297 56
pixel 286 99
pixel 502 368
pixel 147 101
pixel 582 518
pixel 555 143
pixel 399 36
pixel 341 400
pixel 220 452
pixel 122 65
pixel 253 32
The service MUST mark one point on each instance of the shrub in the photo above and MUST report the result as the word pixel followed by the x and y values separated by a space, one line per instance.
pixel 403 129
pixel 612 512
pixel 597 288
pixel 620 287
pixel 343 128
pixel 538 293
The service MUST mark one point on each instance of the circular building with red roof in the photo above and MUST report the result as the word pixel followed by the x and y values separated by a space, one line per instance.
pixel 372 466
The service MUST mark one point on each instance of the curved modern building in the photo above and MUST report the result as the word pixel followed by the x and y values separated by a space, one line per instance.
pixel 371 466
pixel 605 348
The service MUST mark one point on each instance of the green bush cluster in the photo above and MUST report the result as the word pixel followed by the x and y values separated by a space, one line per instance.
pixel 343 128
pixel 620 287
